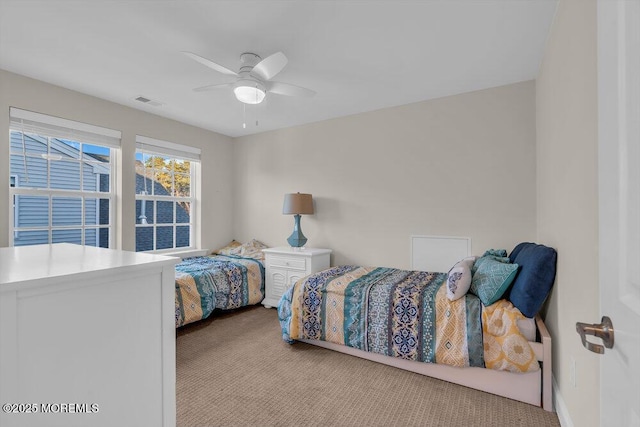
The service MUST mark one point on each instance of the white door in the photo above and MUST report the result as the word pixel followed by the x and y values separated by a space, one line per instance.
pixel 619 198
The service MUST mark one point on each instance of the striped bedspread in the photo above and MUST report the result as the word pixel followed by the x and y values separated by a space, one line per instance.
pixel 209 282
pixel 397 313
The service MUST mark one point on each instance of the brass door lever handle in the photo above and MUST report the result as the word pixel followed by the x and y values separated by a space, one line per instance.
pixel 603 330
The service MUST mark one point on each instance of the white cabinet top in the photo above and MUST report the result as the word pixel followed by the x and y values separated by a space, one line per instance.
pixel 38 264
pixel 287 250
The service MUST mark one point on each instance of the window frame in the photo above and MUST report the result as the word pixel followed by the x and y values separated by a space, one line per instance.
pixel 81 194
pixel 14 179
pixel 156 148
pixel 75 132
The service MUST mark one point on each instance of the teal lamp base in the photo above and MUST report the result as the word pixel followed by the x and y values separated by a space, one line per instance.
pixel 297 239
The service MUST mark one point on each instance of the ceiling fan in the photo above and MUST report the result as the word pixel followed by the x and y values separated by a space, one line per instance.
pixel 253 80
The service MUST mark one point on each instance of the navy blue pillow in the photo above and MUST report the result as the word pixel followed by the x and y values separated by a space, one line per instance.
pixel 535 277
pixel 514 253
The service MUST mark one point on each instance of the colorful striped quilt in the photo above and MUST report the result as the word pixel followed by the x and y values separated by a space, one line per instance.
pixel 217 281
pixel 397 313
pixel 403 314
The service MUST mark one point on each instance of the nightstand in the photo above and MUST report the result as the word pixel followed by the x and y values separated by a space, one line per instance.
pixel 284 266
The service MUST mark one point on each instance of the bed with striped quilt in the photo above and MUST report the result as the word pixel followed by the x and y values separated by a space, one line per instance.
pixel 404 314
pixel 223 282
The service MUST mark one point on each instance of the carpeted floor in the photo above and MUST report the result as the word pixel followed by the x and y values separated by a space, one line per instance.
pixel 233 369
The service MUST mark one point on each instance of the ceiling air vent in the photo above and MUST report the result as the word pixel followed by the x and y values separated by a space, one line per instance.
pixel 148 101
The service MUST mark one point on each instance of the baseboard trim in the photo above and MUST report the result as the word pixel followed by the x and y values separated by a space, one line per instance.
pixel 561 407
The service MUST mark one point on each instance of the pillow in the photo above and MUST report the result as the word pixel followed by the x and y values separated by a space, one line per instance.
pixel 535 279
pixel 459 279
pixel 500 253
pixel 230 249
pixel 497 254
pixel 514 253
pixel 252 249
pixel 491 279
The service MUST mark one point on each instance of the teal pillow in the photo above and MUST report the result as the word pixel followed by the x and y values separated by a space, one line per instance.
pixel 491 279
pixel 497 254
pixel 500 253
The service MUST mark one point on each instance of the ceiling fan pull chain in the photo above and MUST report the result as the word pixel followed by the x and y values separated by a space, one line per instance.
pixel 244 116
pixel 257 108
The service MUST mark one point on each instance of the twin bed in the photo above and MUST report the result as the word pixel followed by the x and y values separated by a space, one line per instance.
pixel 410 320
pixel 406 319
pixel 230 278
pixel 222 282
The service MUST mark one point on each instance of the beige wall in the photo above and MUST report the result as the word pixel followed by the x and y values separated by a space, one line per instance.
pixel 34 95
pixel 566 111
pixel 458 166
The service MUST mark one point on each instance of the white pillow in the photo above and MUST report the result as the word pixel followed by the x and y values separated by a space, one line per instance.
pixel 459 279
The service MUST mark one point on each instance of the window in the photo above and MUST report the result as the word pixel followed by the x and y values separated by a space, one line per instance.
pixel 165 195
pixel 61 181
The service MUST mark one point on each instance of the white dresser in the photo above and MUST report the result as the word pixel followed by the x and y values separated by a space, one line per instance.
pixel 87 337
pixel 284 266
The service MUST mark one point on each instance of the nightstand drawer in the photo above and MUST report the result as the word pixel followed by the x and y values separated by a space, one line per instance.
pixel 289 263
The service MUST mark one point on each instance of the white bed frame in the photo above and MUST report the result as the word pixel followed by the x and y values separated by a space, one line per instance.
pixel 534 388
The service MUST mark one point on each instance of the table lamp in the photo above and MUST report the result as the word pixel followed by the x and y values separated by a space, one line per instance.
pixel 297 204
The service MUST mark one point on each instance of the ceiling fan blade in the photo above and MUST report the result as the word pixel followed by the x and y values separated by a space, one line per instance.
pixel 270 66
pixel 290 90
pixel 208 63
pixel 212 87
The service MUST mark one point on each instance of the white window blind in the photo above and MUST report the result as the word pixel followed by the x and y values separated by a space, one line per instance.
pixel 42 124
pixel 166 148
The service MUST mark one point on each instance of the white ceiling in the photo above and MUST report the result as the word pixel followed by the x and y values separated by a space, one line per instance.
pixel 357 55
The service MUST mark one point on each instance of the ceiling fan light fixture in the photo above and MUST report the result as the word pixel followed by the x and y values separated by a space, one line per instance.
pixel 249 92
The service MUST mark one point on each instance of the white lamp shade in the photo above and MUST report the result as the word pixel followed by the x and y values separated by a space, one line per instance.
pixel 298 204
pixel 249 92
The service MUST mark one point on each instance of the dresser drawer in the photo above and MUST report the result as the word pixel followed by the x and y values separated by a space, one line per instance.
pixel 287 262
